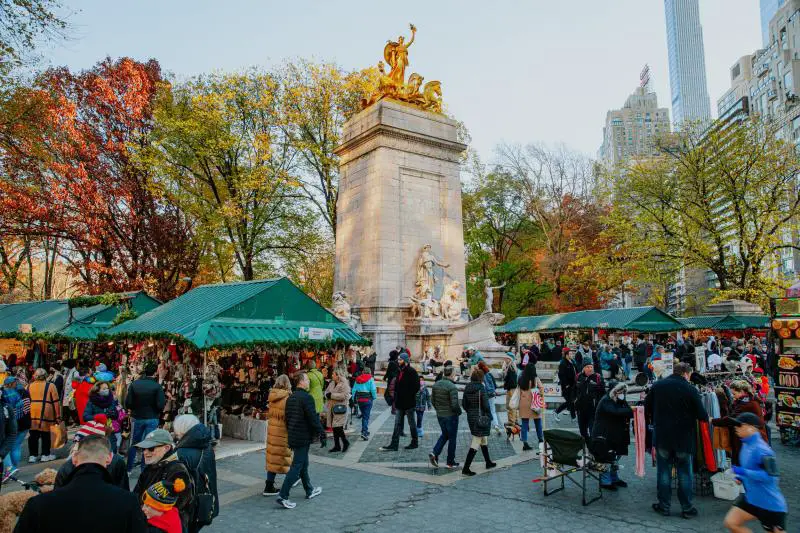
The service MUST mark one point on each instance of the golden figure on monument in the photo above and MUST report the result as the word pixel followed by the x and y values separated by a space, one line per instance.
pixel 393 85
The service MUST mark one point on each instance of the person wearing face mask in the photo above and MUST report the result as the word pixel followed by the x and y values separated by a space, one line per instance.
pixel 102 401
pixel 611 434
pixel 744 401
pixel 117 469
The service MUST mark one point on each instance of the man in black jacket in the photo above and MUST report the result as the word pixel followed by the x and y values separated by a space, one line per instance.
pixel 116 468
pixel 567 377
pixel 405 403
pixel 302 427
pixel 163 464
pixel 145 401
pixel 588 391
pixel 88 493
pixel 675 407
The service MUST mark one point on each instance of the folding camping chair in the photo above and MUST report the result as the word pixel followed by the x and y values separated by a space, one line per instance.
pixel 565 454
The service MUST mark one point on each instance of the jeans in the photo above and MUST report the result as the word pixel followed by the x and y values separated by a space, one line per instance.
pixel 420 416
pixel 626 367
pixel 14 456
pixel 140 428
pixel 299 469
pixel 537 422
pixel 449 427
pixel 683 466
pixel 366 408
pixel 612 475
pixel 399 418
pixel 493 411
pixel 585 422
pixel 33 443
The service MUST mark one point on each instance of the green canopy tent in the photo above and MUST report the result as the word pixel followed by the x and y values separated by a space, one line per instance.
pixel 270 312
pixel 641 319
pixel 725 322
pixel 77 319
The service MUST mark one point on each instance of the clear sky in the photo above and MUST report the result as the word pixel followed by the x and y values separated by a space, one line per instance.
pixel 515 71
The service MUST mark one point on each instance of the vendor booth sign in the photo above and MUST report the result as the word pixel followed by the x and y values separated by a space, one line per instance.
pixel 316 334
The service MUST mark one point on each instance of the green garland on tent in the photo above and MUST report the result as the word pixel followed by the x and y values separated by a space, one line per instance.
pixel 124 316
pixel 38 336
pixel 138 336
pixel 100 299
pixel 294 345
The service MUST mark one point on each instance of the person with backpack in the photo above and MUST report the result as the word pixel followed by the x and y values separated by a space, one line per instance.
pixel 194 450
pixel 589 388
pixel 365 393
pixel 17 399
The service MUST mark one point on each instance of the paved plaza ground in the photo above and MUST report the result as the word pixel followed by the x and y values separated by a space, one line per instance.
pixel 368 490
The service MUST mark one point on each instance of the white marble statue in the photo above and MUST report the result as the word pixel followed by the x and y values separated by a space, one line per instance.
pixel 426 276
pixel 451 301
pixel 425 308
pixel 341 307
pixel 488 291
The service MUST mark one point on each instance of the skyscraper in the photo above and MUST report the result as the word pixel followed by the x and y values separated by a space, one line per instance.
pixel 687 62
pixel 631 132
pixel 768 10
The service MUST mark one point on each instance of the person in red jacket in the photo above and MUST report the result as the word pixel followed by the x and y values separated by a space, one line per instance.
pixel 159 506
pixel 82 387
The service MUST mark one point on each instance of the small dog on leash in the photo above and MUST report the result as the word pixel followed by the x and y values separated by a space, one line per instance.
pixel 512 430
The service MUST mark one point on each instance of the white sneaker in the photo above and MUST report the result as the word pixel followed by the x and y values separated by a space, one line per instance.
pixel 286 503
pixel 47 458
pixel 556 417
pixel 33 459
pixel 314 493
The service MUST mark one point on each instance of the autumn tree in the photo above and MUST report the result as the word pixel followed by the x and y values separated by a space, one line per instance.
pixel 723 200
pixel 222 154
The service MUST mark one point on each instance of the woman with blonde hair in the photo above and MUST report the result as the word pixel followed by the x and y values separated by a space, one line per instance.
pixel 337 394
pixel 279 455
pixel 45 412
pixel 744 401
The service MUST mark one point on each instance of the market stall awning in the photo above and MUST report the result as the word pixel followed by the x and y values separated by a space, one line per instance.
pixel 644 319
pixel 52 319
pixel 271 312
pixel 725 322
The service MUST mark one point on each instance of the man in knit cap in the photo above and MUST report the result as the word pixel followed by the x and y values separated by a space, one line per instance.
pixel 405 402
pixel 159 506
pixel 117 469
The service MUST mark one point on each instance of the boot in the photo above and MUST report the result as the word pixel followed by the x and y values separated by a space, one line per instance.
pixel 485 452
pixel 526 447
pixel 345 444
pixel 470 456
pixel 270 489
pixel 414 445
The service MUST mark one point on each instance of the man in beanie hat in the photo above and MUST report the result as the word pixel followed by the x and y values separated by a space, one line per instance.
pixel 405 402
pixel 611 434
pixel 162 464
pixel 96 428
pixel 588 391
pixel 159 506
pixel 89 503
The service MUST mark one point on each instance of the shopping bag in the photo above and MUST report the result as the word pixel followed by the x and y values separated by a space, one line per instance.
pixel 513 403
pixel 58 435
pixel 536 401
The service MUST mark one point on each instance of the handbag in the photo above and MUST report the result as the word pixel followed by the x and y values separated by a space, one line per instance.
pixel 513 403
pixel 483 421
pixel 58 435
pixel 339 409
pixel 204 511
pixel 536 402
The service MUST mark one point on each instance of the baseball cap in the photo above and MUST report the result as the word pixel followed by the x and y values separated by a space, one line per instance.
pixel 748 418
pixel 159 437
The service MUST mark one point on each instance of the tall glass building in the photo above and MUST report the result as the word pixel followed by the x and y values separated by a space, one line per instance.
pixel 768 10
pixel 687 62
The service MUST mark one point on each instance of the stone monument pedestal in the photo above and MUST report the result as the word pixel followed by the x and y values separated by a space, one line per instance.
pixel 399 190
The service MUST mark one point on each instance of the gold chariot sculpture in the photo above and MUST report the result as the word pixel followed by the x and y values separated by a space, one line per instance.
pixel 393 85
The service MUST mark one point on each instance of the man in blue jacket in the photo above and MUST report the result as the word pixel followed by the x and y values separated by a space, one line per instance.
pixel 758 471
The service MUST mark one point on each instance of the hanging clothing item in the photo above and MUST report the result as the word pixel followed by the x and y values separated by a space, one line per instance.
pixel 708 452
pixel 640 433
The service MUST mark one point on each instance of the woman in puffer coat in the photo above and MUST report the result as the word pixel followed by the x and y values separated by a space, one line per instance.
pixel 476 404
pixel 279 455
pixel 338 393
pixel 611 434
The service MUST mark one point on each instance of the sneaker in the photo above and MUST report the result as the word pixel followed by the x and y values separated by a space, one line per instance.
pixel 556 417
pixel 388 448
pixel 413 446
pixel 620 483
pixel 314 493
pixel 433 460
pixel 660 510
pixel 364 437
pixel 9 474
pixel 47 458
pixel 453 465
pixel 286 503
pixel 270 489
pixel 33 459
pixel 691 513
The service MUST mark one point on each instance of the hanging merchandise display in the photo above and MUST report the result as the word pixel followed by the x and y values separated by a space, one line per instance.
pixel 786 366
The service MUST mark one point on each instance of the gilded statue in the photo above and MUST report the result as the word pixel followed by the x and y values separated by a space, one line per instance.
pixel 394 85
